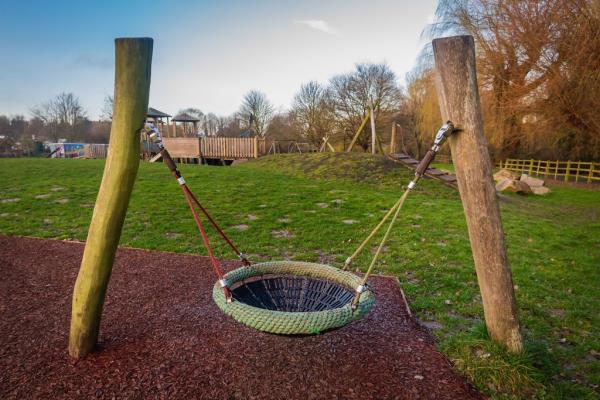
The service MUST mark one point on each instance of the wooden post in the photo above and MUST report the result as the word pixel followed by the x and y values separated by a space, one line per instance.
pixel 456 83
pixel 255 145
pixel 568 170
pixel 393 138
pixel 133 60
pixel 373 133
pixel 590 173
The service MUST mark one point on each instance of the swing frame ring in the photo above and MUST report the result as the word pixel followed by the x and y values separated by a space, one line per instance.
pixel 293 323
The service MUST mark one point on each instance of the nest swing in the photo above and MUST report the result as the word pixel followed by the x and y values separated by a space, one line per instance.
pixel 292 297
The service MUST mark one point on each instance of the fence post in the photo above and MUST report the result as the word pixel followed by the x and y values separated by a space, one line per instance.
pixel 568 171
pixel 577 171
pixel 132 86
pixel 591 172
pixel 456 84
pixel 255 145
pixel 530 167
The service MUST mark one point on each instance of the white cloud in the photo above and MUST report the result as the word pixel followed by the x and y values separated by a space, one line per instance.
pixel 318 25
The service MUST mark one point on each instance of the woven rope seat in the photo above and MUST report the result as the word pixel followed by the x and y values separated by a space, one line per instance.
pixel 292 298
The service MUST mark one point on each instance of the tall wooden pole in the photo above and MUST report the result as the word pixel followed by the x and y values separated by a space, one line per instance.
pixel 456 83
pixel 393 138
pixel 373 133
pixel 132 86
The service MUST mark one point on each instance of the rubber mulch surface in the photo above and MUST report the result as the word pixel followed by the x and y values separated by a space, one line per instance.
pixel 163 337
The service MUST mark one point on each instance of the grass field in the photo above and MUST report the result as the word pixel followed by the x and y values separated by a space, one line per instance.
pixel 318 207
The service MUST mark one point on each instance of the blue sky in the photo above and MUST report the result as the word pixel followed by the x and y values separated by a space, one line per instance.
pixel 206 54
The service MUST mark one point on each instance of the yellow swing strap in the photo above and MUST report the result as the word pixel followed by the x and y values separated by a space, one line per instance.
pixel 373 232
pixel 363 283
pixel 446 130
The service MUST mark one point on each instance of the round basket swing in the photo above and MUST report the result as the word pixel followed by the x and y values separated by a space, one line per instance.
pixel 292 297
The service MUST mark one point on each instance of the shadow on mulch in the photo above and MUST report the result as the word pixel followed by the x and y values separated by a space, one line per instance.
pixel 163 337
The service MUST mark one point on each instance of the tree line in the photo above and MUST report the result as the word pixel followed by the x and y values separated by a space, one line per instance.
pixel 538 75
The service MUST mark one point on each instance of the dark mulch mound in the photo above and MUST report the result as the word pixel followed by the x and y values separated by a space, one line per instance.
pixel 163 337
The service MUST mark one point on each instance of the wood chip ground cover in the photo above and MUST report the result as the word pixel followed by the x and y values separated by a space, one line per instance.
pixel 163 337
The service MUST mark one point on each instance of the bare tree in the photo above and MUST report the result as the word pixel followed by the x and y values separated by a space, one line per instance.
pixel 353 95
pixel 256 112
pixel 63 109
pixel 311 113
pixel 107 108
pixel 281 127
pixel 61 114
pixel 210 124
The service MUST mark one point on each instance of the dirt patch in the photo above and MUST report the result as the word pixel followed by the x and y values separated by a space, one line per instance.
pixel 325 258
pixel 241 227
pixel 163 337
pixel 283 233
pixel 252 217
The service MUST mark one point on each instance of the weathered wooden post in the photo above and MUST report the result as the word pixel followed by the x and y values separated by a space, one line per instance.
pixel 393 138
pixel 456 83
pixel 132 86
pixel 373 133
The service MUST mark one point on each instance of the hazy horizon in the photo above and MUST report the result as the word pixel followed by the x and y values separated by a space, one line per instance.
pixel 206 55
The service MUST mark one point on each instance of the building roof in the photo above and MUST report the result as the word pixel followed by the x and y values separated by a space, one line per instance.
pixel 154 113
pixel 184 117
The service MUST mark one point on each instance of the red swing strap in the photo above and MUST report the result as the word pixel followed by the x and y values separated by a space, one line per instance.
pixel 154 135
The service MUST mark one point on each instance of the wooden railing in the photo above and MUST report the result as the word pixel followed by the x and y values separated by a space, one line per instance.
pixel 215 147
pixel 565 170
pixel 231 148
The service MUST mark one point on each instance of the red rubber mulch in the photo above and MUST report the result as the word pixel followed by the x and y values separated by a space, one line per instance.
pixel 163 337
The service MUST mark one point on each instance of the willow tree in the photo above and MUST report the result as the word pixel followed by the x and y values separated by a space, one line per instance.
pixel 539 72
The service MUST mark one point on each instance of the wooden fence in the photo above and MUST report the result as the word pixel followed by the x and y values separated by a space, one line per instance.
pixel 565 170
pixel 94 150
pixel 231 148
pixel 215 147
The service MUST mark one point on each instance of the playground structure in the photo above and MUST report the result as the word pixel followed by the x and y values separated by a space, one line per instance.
pixel 459 101
pixel 200 150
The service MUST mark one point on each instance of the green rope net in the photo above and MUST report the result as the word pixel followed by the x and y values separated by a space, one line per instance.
pixel 262 291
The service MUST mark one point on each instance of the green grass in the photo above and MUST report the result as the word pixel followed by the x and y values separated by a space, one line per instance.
pixel 553 245
pixel 444 167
